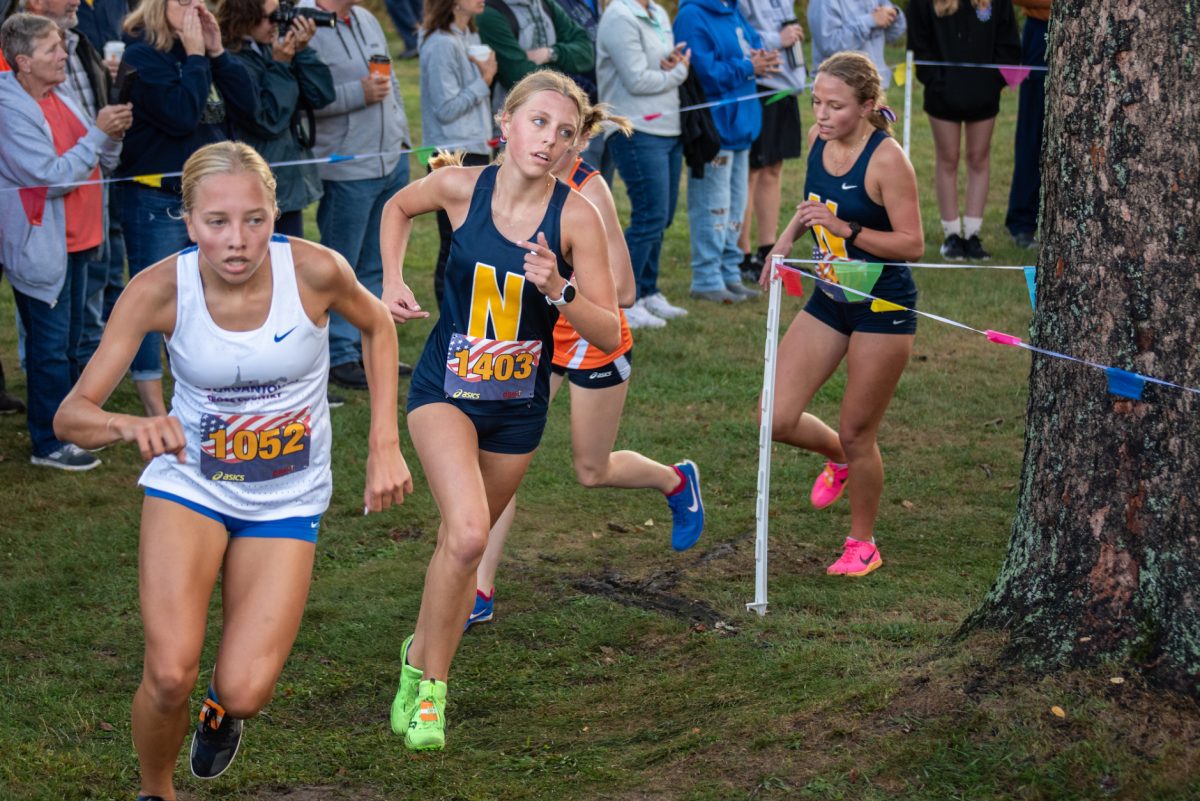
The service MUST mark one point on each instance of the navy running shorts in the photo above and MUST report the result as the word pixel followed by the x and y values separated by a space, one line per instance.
pixel 612 374
pixel 497 433
pixel 848 318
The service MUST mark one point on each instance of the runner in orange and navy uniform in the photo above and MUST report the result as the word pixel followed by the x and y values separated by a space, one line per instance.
pixel 584 364
pixel 599 383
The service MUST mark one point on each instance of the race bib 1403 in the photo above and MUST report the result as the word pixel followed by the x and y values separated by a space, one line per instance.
pixel 484 369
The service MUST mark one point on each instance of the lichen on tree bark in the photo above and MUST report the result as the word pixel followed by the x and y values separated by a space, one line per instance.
pixel 1104 558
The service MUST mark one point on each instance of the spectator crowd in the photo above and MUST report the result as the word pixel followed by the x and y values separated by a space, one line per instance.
pixel 129 89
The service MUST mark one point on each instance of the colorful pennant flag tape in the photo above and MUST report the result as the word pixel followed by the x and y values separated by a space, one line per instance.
pixel 1120 382
pixel 1031 282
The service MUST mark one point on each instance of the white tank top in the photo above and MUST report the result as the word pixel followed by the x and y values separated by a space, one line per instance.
pixel 253 404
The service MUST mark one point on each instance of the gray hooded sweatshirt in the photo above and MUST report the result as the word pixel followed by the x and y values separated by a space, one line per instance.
pixel 35 255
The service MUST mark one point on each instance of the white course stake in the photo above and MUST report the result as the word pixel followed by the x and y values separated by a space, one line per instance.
pixel 762 502
pixel 908 82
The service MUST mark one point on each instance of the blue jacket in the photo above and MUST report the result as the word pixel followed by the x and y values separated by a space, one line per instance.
pixel 175 112
pixel 720 40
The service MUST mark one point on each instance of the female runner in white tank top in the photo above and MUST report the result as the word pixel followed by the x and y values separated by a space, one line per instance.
pixel 238 472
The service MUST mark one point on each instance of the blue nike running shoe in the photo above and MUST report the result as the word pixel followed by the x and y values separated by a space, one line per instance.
pixel 687 508
pixel 483 611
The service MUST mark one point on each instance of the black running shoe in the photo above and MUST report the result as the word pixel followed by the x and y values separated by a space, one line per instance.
pixel 216 741
pixel 955 247
pixel 974 249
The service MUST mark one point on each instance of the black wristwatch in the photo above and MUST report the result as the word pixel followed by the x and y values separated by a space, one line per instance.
pixel 568 295
pixel 855 230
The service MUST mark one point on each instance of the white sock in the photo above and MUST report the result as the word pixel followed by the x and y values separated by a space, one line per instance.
pixel 971 226
pixel 872 540
pixel 951 227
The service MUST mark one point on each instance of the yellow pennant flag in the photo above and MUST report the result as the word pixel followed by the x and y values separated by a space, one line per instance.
pixel 149 180
pixel 899 75
pixel 878 305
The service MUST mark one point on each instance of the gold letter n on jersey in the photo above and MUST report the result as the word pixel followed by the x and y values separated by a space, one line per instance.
pixel 489 304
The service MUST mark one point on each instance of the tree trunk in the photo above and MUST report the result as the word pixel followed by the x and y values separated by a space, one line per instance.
pixel 1104 560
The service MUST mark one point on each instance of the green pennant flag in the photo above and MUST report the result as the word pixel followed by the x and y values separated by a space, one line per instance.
pixel 775 98
pixel 424 154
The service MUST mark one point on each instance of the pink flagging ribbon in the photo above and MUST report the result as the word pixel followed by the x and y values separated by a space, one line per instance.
pixel 1014 75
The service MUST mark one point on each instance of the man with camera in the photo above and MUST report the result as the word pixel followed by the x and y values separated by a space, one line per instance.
pixel 366 117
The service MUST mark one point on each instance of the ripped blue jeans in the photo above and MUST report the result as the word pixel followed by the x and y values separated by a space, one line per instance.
pixel 716 204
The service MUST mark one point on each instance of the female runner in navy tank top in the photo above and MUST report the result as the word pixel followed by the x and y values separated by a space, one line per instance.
pixel 478 399
pixel 861 204
pixel 239 471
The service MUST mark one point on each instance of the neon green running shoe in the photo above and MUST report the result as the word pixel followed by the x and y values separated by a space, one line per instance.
pixel 406 695
pixel 427 728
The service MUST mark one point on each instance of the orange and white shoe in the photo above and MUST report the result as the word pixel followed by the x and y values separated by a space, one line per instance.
pixel 858 559
pixel 830 485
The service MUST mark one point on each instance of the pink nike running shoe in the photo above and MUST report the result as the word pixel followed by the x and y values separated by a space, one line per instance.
pixel 858 559
pixel 830 485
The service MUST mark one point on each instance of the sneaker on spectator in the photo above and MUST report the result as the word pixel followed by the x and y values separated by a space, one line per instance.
pixel 659 306
pixel 350 375
pixel 974 249
pixel 751 267
pixel 745 290
pixel 68 457
pixel 11 404
pixel 1026 239
pixel 954 248
pixel 334 401
pixel 638 317
pixel 717 296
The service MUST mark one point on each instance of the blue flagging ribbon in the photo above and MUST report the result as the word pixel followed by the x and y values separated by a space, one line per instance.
pixel 1125 384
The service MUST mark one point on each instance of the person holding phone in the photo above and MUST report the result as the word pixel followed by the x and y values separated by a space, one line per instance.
pixel 639 68
pixel 781 133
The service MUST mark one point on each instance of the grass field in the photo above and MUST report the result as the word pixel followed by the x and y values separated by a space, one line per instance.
pixel 617 669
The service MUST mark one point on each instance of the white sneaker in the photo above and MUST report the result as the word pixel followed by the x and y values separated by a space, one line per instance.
pixel 637 317
pixel 658 305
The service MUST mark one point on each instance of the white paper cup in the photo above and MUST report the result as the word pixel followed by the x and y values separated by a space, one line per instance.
pixel 479 52
pixel 114 50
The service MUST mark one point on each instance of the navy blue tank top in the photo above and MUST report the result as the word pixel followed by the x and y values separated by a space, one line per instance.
pixel 491 349
pixel 846 196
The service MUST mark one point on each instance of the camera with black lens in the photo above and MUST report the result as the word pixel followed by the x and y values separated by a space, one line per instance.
pixel 287 12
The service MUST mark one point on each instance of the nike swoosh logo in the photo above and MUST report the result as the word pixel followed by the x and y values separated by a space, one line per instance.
pixel 695 499
pixel 847 188
pixel 898 322
pixel 867 561
pixel 313 525
pixel 283 336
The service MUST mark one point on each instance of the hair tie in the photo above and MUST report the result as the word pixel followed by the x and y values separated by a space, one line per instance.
pixel 886 111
